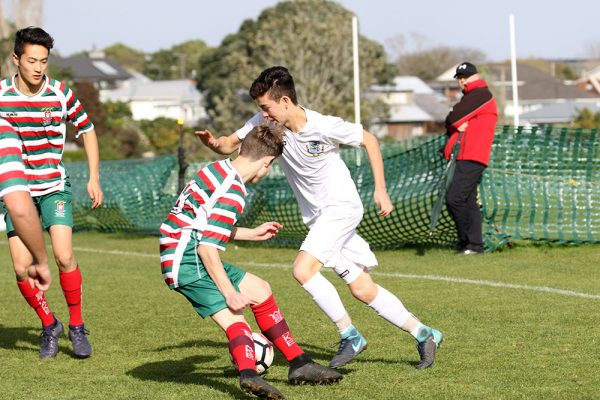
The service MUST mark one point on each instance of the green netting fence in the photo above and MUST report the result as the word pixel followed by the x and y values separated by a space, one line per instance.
pixel 541 184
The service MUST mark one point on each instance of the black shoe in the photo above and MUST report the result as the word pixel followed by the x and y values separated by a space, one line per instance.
pixel 258 387
pixel 428 347
pixel 50 335
pixel 349 347
pixel 313 374
pixel 81 345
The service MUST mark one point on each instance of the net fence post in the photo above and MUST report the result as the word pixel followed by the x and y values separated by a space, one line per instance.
pixel 181 157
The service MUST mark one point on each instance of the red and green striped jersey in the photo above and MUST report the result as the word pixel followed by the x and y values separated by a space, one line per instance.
pixel 12 171
pixel 205 213
pixel 40 121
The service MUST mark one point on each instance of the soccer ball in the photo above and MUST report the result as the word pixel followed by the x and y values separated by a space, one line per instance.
pixel 263 350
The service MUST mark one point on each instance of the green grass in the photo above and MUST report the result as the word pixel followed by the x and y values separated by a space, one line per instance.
pixel 501 342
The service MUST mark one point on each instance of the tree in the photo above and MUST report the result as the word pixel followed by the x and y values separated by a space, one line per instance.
pixel 313 39
pixel 586 119
pixel 163 134
pixel 427 60
pixel 179 62
pixel 127 57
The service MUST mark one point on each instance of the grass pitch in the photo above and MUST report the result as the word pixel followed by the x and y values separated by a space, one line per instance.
pixel 519 324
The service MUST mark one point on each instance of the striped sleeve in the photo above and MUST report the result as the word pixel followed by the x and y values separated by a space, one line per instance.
pixel 75 112
pixel 12 170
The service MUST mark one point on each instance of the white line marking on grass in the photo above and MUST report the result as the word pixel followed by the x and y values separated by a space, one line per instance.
pixel 477 282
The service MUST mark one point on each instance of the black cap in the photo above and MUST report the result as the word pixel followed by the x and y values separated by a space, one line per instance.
pixel 465 69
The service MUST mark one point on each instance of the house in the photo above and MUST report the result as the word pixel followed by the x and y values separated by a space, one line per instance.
pixel 150 99
pixel 558 113
pixel 537 90
pixel 414 108
pixel 590 81
pixel 103 72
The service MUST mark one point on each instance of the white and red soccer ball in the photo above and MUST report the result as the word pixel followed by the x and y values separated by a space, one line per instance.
pixel 263 352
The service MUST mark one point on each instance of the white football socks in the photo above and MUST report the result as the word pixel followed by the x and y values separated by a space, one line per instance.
pixel 391 308
pixel 327 298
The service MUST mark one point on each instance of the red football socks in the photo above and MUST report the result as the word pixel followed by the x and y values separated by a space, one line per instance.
pixel 70 282
pixel 241 346
pixel 37 300
pixel 273 326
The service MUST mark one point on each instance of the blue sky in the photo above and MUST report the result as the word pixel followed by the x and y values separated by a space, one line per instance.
pixel 546 29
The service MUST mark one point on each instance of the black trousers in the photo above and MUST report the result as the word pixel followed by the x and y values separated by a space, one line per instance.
pixel 461 200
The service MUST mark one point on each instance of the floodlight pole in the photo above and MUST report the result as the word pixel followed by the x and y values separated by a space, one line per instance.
pixel 513 65
pixel 356 70
pixel 356 79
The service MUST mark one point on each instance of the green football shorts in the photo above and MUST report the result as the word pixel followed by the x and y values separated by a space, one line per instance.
pixel 54 209
pixel 204 295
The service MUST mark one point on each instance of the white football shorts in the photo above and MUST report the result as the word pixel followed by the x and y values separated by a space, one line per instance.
pixel 332 239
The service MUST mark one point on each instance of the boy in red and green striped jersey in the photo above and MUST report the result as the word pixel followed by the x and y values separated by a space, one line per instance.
pixel 38 107
pixel 199 225
pixel 14 193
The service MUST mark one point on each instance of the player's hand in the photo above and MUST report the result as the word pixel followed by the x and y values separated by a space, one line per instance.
pixel 383 201
pixel 267 230
pixel 463 127
pixel 207 138
pixel 39 276
pixel 95 192
pixel 237 301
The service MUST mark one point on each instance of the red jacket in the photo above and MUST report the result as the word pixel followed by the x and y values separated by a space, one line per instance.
pixel 478 108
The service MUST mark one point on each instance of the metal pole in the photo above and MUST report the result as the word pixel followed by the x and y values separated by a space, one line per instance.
pixel 356 70
pixel 513 64
pixel 356 80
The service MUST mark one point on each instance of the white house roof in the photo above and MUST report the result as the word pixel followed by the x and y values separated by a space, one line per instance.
pixel 412 84
pixel 448 75
pixel 559 112
pixel 139 89
pixel 408 113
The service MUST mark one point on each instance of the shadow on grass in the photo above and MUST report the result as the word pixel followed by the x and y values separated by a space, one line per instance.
pixel 193 370
pixel 10 338
pixel 28 339
pixel 320 354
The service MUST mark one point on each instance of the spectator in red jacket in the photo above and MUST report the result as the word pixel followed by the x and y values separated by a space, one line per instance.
pixel 471 122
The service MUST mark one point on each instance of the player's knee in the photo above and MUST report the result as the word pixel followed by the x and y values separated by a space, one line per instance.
pixel 65 262
pixel 265 288
pixel 364 291
pixel 21 274
pixel 302 272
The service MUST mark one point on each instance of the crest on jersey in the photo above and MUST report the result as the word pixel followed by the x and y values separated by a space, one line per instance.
pixel 315 148
pixel 47 119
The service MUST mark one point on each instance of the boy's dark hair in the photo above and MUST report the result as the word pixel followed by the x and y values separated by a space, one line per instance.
pixel 263 140
pixel 277 81
pixel 32 35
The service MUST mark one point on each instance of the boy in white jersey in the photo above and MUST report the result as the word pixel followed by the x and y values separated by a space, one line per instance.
pixel 14 192
pixel 37 107
pixel 198 226
pixel 331 208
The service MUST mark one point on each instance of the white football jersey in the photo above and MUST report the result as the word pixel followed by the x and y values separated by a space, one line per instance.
pixel 312 164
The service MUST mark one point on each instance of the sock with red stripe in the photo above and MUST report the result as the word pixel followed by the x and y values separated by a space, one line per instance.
pixel 37 300
pixel 70 282
pixel 241 346
pixel 273 326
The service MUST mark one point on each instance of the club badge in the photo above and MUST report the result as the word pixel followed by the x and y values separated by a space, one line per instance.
pixel 315 148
